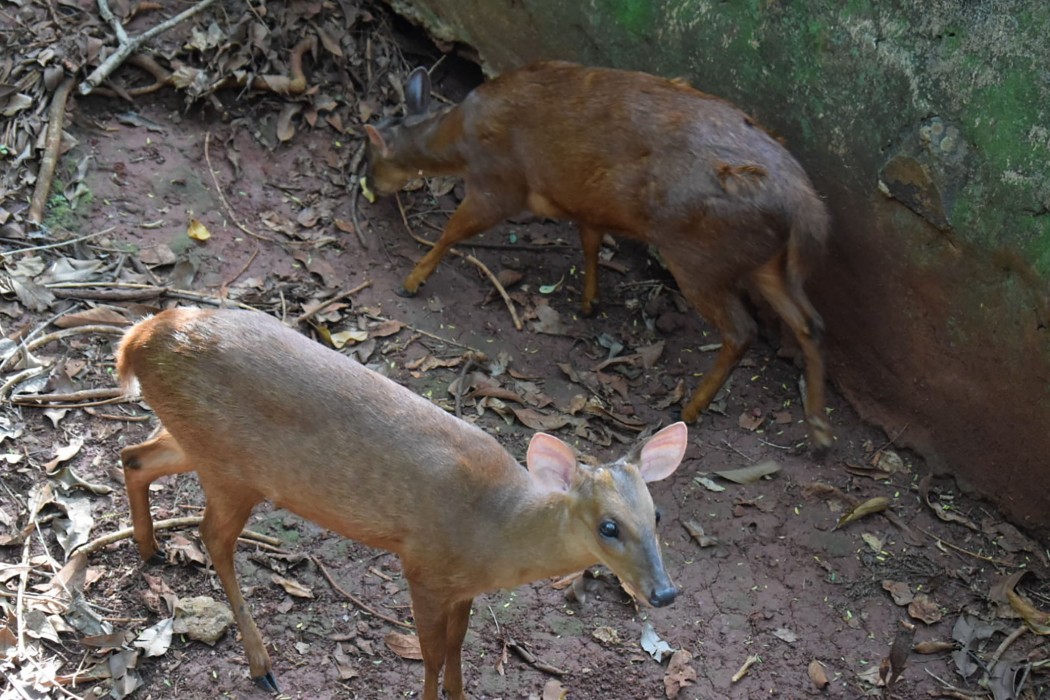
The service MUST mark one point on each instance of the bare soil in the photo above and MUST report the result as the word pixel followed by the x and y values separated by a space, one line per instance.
pixel 780 581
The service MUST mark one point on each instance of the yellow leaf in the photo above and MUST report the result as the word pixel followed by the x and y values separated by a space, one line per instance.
pixel 198 231
pixel 366 191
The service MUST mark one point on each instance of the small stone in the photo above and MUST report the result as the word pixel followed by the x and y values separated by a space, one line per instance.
pixel 203 619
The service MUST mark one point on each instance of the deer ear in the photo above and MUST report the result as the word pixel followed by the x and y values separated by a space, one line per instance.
pixel 551 462
pixel 377 139
pixel 663 452
pixel 417 92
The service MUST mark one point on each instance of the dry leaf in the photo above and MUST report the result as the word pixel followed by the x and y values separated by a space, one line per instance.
pixel 542 421
pixel 198 231
pixel 606 635
pixel 1037 620
pixel 155 640
pixel 748 475
pixel 101 315
pixel 899 590
pixel 817 675
pixel 285 126
pixel 404 645
pixel 868 507
pixel 934 646
pixel 923 608
pixel 751 420
pixel 554 690
pixel 679 673
pixel 888 461
pixel 696 531
pixel 653 645
pixel 292 587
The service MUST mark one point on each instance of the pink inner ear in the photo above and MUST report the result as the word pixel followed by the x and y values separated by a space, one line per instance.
pixel 375 137
pixel 663 452
pixel 551 462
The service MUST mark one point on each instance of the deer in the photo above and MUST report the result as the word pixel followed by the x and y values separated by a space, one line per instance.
pixel 730 211
pixel 263 413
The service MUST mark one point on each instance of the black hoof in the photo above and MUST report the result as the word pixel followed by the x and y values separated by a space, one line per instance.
pixel 402 292
pixel 267 682
pixel 159 557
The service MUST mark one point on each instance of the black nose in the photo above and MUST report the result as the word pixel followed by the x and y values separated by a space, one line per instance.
pixel 662 596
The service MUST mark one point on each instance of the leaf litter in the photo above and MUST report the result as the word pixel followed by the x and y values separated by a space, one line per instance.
pixel 312 68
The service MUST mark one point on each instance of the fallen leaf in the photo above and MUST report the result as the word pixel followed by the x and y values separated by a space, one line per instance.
pixel 155 640
pixel 653 645
pixel 888 461
pixel 868 507
pixel 285 125
pixel 198 231
pixel 554 690
pixel 64 453
pixel 898 657
pixel 679 674
pixel 404 645
pixel 934 646
pixel 549 321
pixel 542 421
pixel 923 608
pixel 709 484
pixel 292 587
pixel 1037 620
pixel 748 663
pixel 899 591
pixel 817 675
pixel 340 339
pixel 696 531
pixel 785 635
pixel 873 542
pixel 606 635
pixel 749 475
pixel 751 420
pixel 344 664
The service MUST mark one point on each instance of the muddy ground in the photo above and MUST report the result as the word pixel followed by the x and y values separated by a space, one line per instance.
pixel 776 582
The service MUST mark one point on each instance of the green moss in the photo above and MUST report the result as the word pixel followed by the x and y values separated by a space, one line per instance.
pixel 636 16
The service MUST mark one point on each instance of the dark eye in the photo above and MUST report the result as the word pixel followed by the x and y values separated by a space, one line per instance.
pixel 609 529
pixel 657 517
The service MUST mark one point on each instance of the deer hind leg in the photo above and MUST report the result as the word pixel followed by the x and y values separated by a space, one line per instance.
pixel 724 309
pixel 790 302
pixel 143 464
pixel 225 513
pixel 473 216
pixel 591 242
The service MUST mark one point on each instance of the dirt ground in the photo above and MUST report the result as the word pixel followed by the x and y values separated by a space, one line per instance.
pixel 768 578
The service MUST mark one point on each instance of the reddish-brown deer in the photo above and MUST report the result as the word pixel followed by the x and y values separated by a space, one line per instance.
pixel 726 205
pixel 261 412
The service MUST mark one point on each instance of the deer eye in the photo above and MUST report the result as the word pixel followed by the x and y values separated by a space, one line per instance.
pixel 609 529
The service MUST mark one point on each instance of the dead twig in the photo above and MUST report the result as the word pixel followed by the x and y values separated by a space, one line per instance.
pixel 1013 637
pixel 357 601
pixel 957 548
pixel 49 161
pixel 222 196
pixel 427 334
pixel 129 45
pixel 83 395
pixel 355 194
pixel 309 313
pixel 58 244
pixel 69 290
pixel 244 268
pixel 98 543
pixel 473 261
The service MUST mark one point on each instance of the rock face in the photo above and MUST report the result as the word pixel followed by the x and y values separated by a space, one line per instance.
pixel 927 127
